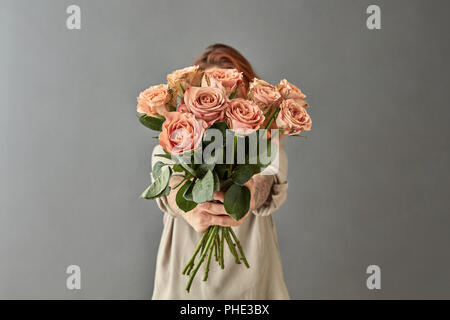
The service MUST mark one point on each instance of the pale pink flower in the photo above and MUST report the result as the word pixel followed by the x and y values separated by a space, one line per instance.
pixel 244 116
pixel 181 132
pixel 293 117
pixel 206 103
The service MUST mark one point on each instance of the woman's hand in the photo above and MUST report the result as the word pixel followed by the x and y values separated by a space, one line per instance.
pixel 210 213
pixel 204 214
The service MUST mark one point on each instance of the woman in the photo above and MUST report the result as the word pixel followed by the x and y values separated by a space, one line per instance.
pixel 256 231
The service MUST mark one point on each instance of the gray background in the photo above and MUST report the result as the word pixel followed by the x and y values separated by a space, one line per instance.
pixel 370 184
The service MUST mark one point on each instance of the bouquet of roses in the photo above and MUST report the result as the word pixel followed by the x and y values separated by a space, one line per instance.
pixel 218 135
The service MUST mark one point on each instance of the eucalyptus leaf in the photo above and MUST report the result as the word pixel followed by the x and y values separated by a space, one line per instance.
pixel 222 126
pixel 216 181
pixel 166 191
pixel 164 155
pixel 181 201
pixel 156 171
pixel 188 193
pixel 152 122
pixel 222 170
pixel 243 172
pixel 158 186
pixel 237 201
pixel 203 168
pixel 185 165
pixel 225 184
pixel 204 188
pixel 177 168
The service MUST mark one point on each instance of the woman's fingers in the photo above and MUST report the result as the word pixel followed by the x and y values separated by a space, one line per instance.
pixel 210 214
pixel 213 208
pixel 224 221
pixel 219 195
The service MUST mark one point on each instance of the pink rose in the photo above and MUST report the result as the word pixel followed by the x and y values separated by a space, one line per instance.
pixel 293 117
pixel 264 95
pixel 206 103
pixel 155 100
pixel 180 80
pixel 181 132
pixel 226 79
pixel 289 91
pixel 244 116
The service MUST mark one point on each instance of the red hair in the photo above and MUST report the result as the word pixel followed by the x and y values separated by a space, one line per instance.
pixel 223 56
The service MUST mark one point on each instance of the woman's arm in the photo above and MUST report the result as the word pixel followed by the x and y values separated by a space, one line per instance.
pixel 260 188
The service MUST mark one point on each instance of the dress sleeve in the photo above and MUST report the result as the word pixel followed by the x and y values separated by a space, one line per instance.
pixel 278 168
pixel 162 201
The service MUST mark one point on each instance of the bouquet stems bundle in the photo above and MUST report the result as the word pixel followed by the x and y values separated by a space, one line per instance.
pixel 214 132
pixel 213 241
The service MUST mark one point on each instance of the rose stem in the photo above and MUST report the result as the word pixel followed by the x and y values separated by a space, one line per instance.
pixel 241 251
pixel 208 261
pixel 231 245
pixel 218 246
pixel 216 253
pixel 212 234
pixel 222 239
pixel 199 245
pixel 274 114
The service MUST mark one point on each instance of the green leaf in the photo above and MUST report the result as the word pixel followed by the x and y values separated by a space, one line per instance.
pixel 203 169
pixel 188 193
pixel 156 171
pixel 152 122
pixel 222 170
pixel 233 95
pixel 204 188
pixel 181 201
pixel 222 126
pixel 158 186
pixel 164 155
pixel 185 165
pixel 244 172
pixel 237 201
pixel 225 184
pixel 177 168
pixel 166 191
pixel 216 181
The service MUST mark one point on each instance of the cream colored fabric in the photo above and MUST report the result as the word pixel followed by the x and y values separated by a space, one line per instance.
pixel 264 279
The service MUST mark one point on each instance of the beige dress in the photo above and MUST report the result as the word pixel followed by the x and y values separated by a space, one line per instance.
pixel 264 279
